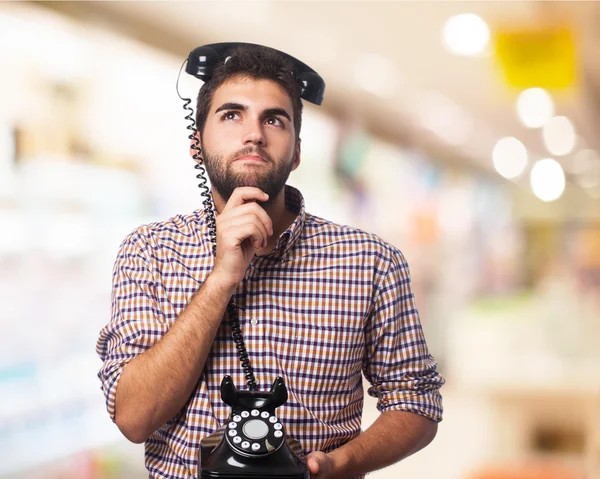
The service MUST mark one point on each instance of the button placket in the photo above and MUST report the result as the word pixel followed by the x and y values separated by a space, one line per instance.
pixel 254 325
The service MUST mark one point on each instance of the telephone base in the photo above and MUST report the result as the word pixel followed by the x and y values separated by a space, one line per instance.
pixel 286 463
pixel 262 475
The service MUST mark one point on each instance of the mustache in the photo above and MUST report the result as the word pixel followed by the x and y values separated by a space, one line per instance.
pixel 250 150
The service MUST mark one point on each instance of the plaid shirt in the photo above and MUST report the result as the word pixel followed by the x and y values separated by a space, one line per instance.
pixel 328 303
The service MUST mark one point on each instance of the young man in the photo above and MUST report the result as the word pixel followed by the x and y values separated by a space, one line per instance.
pixel 318 303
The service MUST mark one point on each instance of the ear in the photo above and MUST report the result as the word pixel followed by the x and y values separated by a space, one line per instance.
pixel 193 151
pixel 296 161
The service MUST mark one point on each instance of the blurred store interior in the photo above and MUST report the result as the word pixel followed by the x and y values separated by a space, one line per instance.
pixel 465 133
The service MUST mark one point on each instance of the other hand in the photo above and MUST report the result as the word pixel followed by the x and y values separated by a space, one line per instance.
pixel 320 465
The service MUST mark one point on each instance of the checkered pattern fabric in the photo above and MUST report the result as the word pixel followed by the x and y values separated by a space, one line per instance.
pixel 328 303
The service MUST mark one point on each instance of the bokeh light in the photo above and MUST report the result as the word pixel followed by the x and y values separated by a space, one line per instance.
pixel 466 34
pixel 559 136
pixel 547 179
pixel 509 157
pixel 535 107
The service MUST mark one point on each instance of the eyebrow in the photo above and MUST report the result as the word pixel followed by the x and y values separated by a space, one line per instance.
pixel 267 112
pixel 277 112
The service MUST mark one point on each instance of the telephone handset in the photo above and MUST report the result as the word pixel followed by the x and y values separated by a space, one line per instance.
pixel 252 443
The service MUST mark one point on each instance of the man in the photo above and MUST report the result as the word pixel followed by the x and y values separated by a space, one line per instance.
pixel 317 302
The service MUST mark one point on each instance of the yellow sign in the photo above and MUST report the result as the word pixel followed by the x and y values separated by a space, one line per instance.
pixel 542 57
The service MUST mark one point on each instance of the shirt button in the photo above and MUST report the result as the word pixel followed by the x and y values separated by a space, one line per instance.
pixel 254 321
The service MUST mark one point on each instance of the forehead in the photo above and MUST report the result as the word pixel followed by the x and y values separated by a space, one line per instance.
pixel 259 94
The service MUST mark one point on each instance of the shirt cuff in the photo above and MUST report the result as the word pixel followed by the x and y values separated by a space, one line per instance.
pixel 109 375
pixel 425 403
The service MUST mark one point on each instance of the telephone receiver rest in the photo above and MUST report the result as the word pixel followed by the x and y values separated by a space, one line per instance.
pixel 254 399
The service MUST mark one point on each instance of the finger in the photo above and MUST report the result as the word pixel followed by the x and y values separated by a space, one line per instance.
pixel 313 465
pixel 252 234
pixel 243 194
pixel 251 208
pixel 245 229
pixel 225 225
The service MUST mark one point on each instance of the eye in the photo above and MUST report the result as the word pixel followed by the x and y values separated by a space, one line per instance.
pixel 230 115
pixel 272 120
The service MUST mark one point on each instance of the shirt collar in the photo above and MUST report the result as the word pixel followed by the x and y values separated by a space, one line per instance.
pixel 294 201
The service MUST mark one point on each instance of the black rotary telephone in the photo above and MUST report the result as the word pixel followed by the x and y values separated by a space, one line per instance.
pixel 252 443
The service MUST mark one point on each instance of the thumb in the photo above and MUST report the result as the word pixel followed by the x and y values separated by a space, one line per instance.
pixel 313 462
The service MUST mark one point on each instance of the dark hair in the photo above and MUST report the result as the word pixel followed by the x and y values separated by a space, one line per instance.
pixel 253 62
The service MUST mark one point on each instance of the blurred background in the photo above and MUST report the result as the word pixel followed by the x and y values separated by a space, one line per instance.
pixel 464 133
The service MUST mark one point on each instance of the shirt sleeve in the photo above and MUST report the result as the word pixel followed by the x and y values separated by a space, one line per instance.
pixel 137 321
pixel 397 363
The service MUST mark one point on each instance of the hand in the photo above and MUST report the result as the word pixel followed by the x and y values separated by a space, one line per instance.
pixel 243 227
pixel 320 465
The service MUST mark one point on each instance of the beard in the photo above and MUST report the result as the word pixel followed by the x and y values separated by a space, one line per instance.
pixel 224 179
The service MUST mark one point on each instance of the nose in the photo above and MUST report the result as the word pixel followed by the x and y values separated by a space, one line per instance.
pixel 254 134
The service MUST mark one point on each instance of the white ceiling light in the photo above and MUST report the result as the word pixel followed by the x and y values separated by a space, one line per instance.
pixel 547 179
pixel 509 157
pixel 559 136
pixel 465 34
pixel 375 74
pixel 535 107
